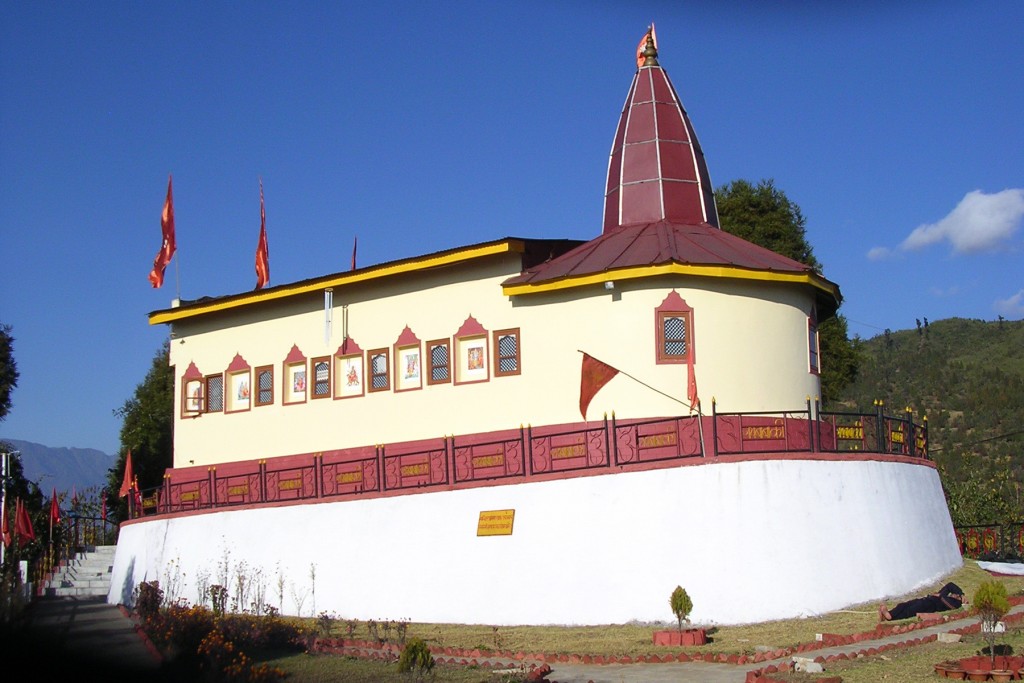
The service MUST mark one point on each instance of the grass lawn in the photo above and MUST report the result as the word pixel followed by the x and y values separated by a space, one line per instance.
pixel 635 639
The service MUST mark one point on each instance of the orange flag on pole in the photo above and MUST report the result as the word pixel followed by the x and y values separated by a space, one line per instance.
pixel 126 483
pixel 262 251
pixel 691 392
pixel 169 244
pixel 6 528
pixel 23 524
pixel 54 508
pixel 593 375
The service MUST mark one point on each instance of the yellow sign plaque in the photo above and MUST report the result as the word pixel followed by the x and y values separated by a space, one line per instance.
pixel 495 523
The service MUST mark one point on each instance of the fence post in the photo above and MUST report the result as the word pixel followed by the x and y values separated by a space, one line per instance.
pixel 714 426
pixel 212 478
pixel 810 425
pixel 881 439
pixel 613 457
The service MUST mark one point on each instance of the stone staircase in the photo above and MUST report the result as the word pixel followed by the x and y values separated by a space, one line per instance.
pixel 87 574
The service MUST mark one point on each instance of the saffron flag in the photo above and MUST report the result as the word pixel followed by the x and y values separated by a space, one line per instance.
pixel 593 376
pixel 262 252
pixel 138 496
pixel 23 524
pixel 6 529
pixel 169 245
pixel 126 483
pixel 355 241
pixel 54 508
pixel 691 392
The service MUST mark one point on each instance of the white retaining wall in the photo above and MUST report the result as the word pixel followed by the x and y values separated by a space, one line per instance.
pixel 750 541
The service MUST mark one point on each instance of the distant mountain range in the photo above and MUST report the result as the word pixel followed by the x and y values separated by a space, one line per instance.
pixel 63 468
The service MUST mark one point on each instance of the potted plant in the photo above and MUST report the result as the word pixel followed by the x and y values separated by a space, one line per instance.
pixel 681 606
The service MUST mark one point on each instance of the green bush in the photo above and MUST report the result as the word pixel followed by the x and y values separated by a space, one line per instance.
pixel 992 604
pixel 415 657
pixel 681 605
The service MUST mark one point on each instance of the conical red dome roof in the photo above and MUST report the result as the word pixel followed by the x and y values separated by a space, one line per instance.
pixel 657 170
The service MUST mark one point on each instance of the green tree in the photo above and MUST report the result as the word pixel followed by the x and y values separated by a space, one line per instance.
pixel 147 430
pixel 681 605
pixel 8 370
pixel 764 215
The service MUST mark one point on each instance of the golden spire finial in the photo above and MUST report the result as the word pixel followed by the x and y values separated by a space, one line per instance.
pixel 647 50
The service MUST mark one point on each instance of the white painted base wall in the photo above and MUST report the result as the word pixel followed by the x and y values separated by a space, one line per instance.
pixel 750 541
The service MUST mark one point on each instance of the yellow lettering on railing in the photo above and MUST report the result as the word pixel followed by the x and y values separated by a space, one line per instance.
pixel 897 436
pixel 574 451
pixel 415 470
pixel 850 433
pixel 492 460
pixel 240 490
pixel 350 477
pixel 765 432
pixel 656 440
pixel 189 496
pixel 149 502
pixel 289 484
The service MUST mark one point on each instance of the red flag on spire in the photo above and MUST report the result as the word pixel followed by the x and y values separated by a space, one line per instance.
pixel 169 245
pixel 262 252
pixel 126 483
pixel 355 241
pixel 691 392
pixel 23 524
pixel 593 375
pixel 6 529
pixel 54 508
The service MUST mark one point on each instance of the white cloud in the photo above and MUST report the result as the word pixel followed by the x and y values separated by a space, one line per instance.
pixel 1012 307
pixel 879 253
pixel 980 222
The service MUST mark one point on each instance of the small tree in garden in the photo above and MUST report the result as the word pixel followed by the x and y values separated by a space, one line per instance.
pixel 992 605
pixel 681 605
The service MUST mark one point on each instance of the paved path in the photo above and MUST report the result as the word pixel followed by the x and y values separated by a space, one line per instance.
pixel 61 636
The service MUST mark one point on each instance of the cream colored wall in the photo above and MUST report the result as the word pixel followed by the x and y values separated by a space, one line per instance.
pixel 750 342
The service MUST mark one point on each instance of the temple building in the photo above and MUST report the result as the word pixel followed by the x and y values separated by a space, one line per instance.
pixel 543 430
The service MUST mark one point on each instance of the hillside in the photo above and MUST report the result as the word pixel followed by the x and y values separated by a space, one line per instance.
pixel 967 377
pixel 63 468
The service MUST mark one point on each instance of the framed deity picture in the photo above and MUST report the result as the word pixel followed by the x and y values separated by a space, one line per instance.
pixel 408 370
pixel 295 383
pixel 238 391
pixel 472 359
pixel 348 376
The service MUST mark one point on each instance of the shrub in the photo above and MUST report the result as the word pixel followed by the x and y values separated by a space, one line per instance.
pixel 681 605
pixel 218 599
pixel 416 657
pixel 148 599
pixel 992 604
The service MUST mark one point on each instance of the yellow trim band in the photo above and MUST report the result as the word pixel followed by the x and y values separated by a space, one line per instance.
pixel 338 280
pixel 673 269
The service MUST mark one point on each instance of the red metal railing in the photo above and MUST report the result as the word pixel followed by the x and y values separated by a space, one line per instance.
pixel 527 453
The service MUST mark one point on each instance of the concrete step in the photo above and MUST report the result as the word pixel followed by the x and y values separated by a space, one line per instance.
pixel 85 574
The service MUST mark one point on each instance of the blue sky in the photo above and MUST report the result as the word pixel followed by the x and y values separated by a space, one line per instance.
pixel 423 126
